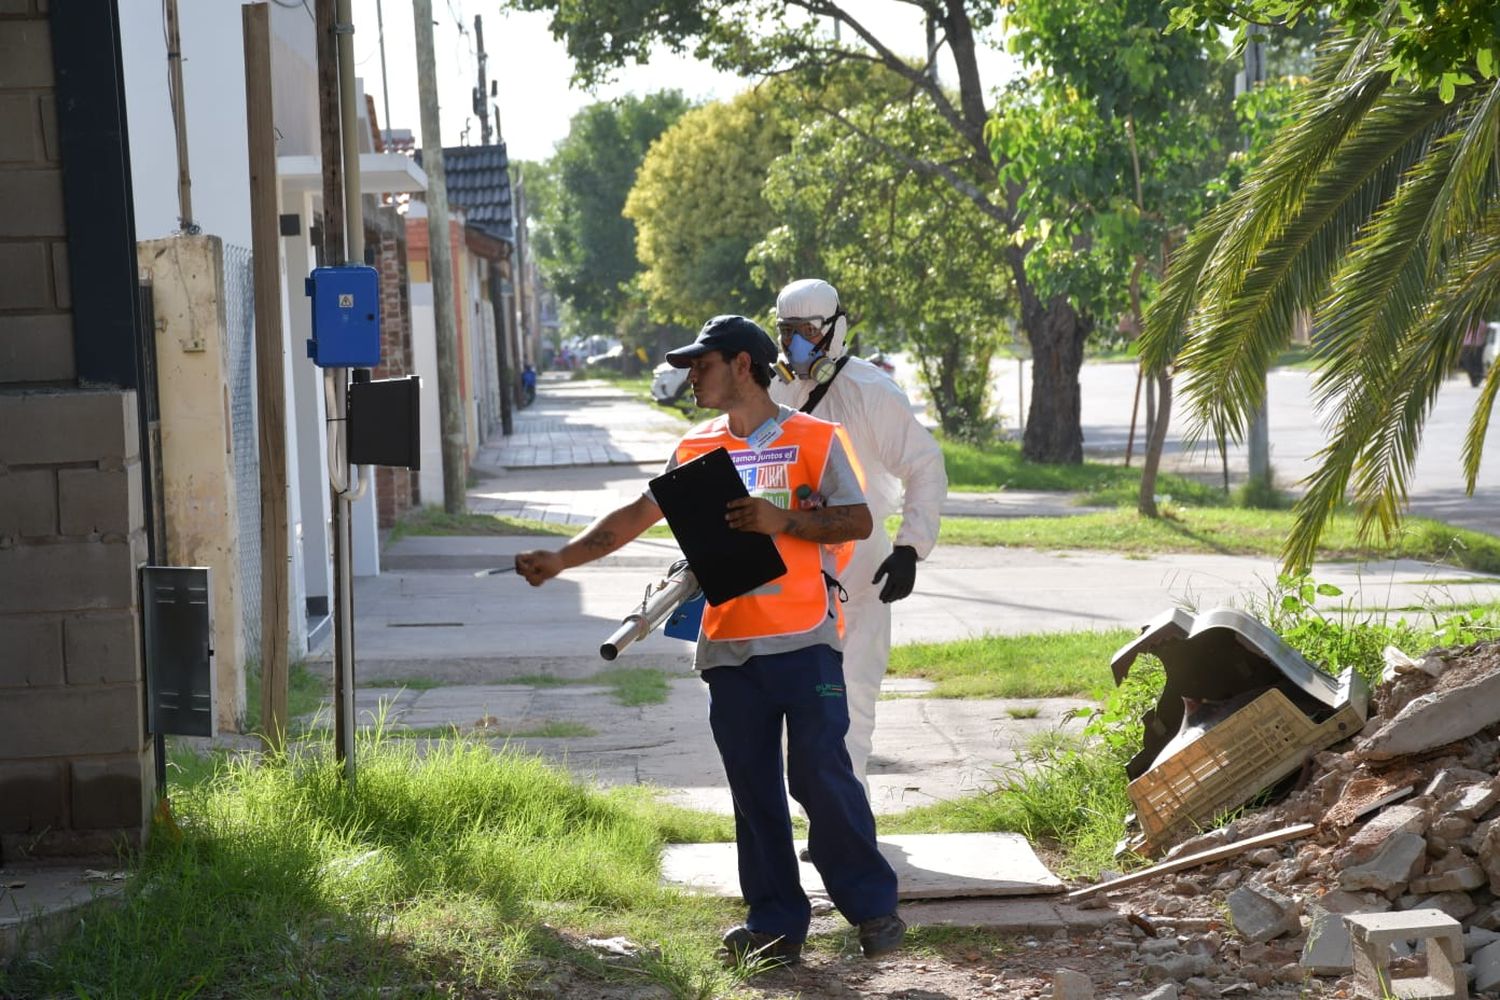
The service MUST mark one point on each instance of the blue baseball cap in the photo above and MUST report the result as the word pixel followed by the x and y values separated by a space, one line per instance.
pixel 727 333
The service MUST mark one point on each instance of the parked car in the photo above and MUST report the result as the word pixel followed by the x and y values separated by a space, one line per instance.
pixel 885 364
pixel 667 383
pixel 614 358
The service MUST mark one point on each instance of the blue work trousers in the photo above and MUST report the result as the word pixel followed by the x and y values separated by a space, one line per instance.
pixel 748 704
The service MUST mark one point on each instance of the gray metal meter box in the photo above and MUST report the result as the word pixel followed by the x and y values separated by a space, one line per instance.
pixel 384 419
pixel 345 316
pixel 178 611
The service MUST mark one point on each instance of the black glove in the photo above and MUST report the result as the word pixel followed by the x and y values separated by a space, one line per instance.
pixel 900 572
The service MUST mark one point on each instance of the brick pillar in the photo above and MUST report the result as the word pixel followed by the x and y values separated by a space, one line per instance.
pixel 75 763
pixel 395 488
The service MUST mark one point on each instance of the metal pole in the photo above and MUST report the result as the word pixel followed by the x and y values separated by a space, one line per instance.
pixel 455 441
pixel 179 121
pixel 1259 439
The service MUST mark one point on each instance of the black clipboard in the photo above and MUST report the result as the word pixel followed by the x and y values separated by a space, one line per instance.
pixel 728 563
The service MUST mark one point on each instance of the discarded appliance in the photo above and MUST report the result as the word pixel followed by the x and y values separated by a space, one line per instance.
pixel 1239 711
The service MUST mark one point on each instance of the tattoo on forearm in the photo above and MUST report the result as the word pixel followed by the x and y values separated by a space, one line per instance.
pixel 829 524
pixel 598 542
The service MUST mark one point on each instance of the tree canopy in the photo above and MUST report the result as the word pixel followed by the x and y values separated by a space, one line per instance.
pixel 586 245
pixel 914 261
pixel 698 208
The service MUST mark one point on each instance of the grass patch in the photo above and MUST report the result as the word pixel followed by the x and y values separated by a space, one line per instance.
pixel 305 691
pixel 632 685
pixel 1048 665
pixel 1225 531
pixel 554 730
pixel 985 468
pixel 635 686
pixel 409 683
pixel 434 521
pixel 444 870
pixel 1029 712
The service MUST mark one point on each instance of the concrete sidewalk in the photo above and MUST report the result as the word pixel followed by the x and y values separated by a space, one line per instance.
pixel 587 446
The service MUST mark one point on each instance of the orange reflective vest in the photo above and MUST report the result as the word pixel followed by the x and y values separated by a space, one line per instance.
pixel 798 601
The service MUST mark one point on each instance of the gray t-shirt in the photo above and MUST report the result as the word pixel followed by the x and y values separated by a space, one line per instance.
pixel 840 487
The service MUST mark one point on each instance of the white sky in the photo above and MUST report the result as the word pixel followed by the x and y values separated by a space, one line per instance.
pixel 533 71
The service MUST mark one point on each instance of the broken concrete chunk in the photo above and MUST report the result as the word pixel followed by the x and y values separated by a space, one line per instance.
pixel 1408 818
pixel 1177 966
pixel 1328 951
pixel 1166 991
pixel 1476 938
pixel 1339 901
pixel 1436 718
pixel 1450 778
pixel 1262 914
pixel 1068 984
pixel 1469 801
pixel 1392 867
pixel 1456 904
pixel 1486 962
pixel 1459 880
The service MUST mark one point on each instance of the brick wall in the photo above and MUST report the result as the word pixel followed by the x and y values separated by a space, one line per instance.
pixel 395 489
pixel 75 764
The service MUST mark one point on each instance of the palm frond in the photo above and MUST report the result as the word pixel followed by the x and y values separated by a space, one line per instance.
pixel 1241 330
pixel 1384 283
pixel 1473 175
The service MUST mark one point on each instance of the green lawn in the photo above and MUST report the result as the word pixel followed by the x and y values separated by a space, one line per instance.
pixel 1224 530
pixel 1049 665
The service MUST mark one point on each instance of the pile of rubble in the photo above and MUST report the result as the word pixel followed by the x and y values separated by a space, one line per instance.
pixel 1403 820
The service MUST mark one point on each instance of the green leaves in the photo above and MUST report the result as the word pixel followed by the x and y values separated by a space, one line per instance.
pixel 1377 212
pixel 586 246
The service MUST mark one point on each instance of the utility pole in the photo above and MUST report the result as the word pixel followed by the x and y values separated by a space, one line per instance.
pixel 385 81
pixel 455 445
pixel 179 121
pixel 270 404
pixel 1259 439
pixel 502 348
pixel 481 92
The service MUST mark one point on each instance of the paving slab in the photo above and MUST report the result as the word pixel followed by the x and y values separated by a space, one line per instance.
pixel 928 866
pixel 37 903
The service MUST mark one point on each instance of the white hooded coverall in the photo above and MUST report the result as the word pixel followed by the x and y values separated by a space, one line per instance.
pixel 899 457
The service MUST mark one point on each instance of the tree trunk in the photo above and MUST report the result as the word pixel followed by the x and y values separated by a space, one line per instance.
pixel 1054 433
pixel 1154 444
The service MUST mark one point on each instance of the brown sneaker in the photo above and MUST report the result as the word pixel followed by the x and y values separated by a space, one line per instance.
pixel 745 945
pixel 881 935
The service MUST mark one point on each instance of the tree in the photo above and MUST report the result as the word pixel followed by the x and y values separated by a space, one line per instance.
pixel 1378 209
pixel 698 208
pixel 913 259
pixel 789 37
pixel 586 247
pixel 1111 142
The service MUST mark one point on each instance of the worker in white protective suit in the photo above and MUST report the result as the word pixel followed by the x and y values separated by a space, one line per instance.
pixel 904 472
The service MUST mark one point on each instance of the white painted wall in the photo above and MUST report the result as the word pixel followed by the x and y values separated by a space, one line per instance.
pixel 213 86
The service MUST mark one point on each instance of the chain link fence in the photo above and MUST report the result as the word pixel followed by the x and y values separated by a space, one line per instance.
pixel 239 322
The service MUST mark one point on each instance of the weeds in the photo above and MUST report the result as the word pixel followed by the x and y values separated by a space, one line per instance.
pixel 445 868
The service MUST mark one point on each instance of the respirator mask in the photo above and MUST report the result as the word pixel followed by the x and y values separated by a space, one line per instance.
pixel 804 345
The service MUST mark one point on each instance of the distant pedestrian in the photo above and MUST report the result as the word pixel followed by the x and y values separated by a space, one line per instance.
pixel 1471 352
pixel 528 384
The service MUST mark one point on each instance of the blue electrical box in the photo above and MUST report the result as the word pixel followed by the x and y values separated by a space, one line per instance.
pixel 345 316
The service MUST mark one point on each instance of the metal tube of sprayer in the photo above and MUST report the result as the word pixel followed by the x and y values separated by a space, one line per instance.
pixel 656 609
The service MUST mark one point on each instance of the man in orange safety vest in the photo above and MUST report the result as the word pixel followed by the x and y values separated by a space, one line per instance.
pixel 772 658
